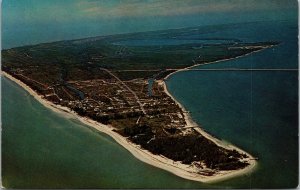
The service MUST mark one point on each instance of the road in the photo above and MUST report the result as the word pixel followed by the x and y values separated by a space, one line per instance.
pixel 129 89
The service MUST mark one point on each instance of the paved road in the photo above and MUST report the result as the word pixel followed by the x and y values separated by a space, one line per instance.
pixel 129 89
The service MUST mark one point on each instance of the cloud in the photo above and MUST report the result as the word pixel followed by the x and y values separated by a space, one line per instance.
pixel 70 11
pixel 150 8
pixel 144 8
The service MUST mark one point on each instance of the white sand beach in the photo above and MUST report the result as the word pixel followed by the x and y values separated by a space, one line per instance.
pixel 177 168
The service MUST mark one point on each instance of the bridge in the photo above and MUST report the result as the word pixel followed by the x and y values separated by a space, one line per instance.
pixel 240 69
pixel 213 69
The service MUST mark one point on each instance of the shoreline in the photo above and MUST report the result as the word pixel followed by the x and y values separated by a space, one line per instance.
pixel 227 145
pixel 217 61
pixel 177 168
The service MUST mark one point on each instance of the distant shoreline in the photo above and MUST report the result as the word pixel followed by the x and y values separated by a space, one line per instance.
pixel 217 61
pixel 177 168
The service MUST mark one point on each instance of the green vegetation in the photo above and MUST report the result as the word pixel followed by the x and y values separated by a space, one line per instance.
pixel 108 82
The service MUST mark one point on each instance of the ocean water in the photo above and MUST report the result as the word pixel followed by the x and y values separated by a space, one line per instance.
pixel 257 111
pixel 43 149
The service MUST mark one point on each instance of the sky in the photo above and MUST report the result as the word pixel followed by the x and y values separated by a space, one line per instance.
pixel 34 21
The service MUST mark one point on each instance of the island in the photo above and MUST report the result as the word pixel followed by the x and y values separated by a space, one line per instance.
pixel 117 85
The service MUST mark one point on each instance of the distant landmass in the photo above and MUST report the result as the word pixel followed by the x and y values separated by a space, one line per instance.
pixel 116 84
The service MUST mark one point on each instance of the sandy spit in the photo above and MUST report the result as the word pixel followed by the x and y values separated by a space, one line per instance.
pixel 177 168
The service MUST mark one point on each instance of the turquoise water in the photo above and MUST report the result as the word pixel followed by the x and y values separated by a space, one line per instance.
pixel 257 111
pixel 42 149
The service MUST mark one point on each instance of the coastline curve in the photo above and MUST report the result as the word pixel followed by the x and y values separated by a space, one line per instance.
pixel 158 161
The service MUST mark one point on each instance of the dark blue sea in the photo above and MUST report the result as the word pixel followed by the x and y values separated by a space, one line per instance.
pixel 255 110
